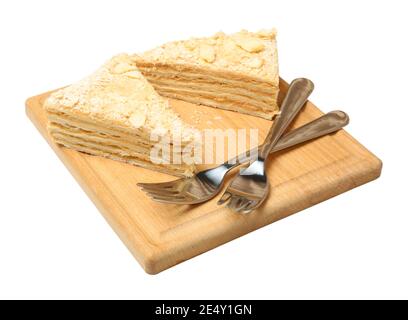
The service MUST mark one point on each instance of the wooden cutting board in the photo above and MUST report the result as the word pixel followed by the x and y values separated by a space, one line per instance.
pixel 160 236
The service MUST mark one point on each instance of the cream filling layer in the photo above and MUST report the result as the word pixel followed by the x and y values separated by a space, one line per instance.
pixel 126 147
pixel 213 103
pixel 139 135
pixel 210 93
pixel 116 153
pixel 233 79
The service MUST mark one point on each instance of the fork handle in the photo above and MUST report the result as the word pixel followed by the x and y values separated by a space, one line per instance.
pixel 328 123
pixel 298 92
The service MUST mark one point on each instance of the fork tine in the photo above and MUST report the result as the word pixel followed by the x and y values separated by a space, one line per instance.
pixel 235 202
pixel 244 203
pixel 176 197
pixel 162 191
pixel 186 201
pixel 169 196
pixel 169 199
pixel 224 198
pixel 250 207
pixel 168 184
pixel 157 187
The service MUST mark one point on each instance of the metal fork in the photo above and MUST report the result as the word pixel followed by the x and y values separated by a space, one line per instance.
pixel 250 187
pixel 206 184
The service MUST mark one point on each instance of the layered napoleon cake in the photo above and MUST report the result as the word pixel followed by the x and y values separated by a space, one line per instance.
pixel 113 113
pixel 237 72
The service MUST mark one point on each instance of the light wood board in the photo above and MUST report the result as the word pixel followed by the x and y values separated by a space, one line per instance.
pixel 160 236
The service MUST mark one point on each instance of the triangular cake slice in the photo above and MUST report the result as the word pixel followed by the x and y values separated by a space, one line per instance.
pixel 112 113
pixel 236 72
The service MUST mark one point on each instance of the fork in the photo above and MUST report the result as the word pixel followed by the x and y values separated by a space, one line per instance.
pixel 250 187
pixel 207 184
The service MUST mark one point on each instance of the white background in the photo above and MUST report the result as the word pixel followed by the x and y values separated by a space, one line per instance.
pixel 55 244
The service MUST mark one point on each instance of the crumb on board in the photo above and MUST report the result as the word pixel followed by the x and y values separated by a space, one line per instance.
pixel 198 115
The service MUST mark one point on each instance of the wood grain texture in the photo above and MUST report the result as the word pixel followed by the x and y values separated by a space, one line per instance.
pixel 160 236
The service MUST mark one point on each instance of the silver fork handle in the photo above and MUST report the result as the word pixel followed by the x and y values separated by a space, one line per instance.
pixel 298 92
pixel 328 123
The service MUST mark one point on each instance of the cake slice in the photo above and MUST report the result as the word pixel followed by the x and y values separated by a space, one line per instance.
pixel 113 113
pixel 237 72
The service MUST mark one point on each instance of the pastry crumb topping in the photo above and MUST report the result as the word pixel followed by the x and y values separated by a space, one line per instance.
pixel 247 52
pixel 118 92
pixel 207 53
